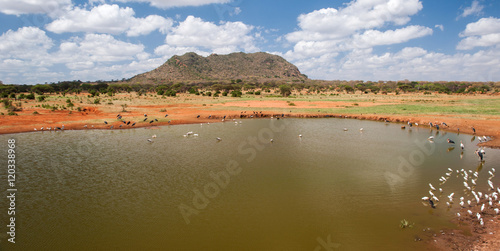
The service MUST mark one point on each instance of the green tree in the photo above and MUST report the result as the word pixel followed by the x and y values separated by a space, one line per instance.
pixel 285 90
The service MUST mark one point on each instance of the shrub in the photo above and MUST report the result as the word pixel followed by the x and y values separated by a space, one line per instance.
pixel 236 94
pixel 35 113
pixel 97 101
pixel 257 93
pixel 30 96
pixel 40 98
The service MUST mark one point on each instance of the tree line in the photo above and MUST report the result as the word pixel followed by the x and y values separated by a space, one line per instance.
pixel 239 86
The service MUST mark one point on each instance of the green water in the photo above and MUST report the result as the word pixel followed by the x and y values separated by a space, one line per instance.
pixel 114 190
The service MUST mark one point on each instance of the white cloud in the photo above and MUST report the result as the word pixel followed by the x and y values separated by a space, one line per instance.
pixel 330 23
pixel 83 53
pixel 482 27
pixel 17 7
pixel 24 55
pixel 25 43
pixel 410 63
pixel 372 38
pixel 474 9
pixel 177 3
pixel 439 26
pixel 479 41
pixel 483 33
pixel 339 44
pixel 224 38
pixel 108 19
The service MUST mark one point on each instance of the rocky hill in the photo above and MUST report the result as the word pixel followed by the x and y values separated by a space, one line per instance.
pixel 192 67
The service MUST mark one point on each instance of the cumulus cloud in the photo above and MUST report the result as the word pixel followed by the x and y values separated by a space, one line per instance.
pixel 25 43
pixel 483 33
pixel 94 48
pixel 439 26
pixel 372 38
pixel 328 32
pixel 224 38
pixel 474 9
pixel 330 23
pixel 339 44
pixel 24 54
pixel 109 19
pixel 17 7
pixel 177 3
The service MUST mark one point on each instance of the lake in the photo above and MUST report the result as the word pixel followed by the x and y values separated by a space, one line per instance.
pixel 331 188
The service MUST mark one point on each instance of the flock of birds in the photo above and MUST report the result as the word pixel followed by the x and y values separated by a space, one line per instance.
pixel 480 202
pixel 472 199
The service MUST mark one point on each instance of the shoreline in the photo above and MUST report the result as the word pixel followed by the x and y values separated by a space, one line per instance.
pixel 483 127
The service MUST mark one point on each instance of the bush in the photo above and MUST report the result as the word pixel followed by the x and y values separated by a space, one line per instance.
pixel 35 113
pixel 257 93
pixel 30 96
pixel 12 114
pixel 97 101
pixel 40 98
pixel 236 94
pixel 224 94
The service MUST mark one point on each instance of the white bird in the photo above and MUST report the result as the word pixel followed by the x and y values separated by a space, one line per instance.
pixel 451 196
pixel 469 211
pixel 425 198
pixel 473 182
pixel 480 194
pixel 272 140
pixel 491 184
pixel 440 190
pixel 462 145
pixel 150 140
pixel 481 222
pixel 432 188
pixel 154 136
pixel 462 204
pixel 435 198
pixel 196 135
pixel 469 202
pixel 482 208
pixel 493 169
pixel 448 204
pixel 458 214
pixel 431 138
pixel 218 139
pixel 496 210
pixel 478 216
pixel 430 192
pixel 300 135
pixel 449 169
pixel 345 129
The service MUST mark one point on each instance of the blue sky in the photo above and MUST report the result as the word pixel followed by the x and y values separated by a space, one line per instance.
pixel 55 40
